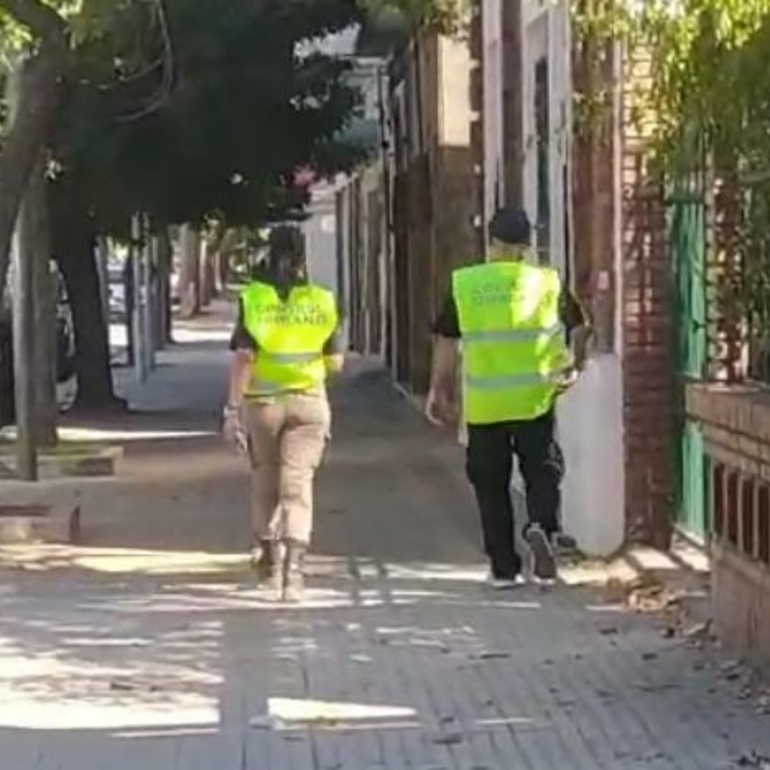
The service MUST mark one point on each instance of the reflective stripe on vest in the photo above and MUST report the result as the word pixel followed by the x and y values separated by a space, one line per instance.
pixel 513 342
pixel 513 335
pixel 293 358
pixel 505 383
pixel 290 336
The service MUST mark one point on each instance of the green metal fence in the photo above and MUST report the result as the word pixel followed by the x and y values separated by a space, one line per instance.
pixel 687 220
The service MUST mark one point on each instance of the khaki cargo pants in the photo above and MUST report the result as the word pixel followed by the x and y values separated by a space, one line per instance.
pixel 287 438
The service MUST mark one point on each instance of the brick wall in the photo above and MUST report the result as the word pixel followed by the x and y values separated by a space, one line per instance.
pixel 594 199
pixel 632 292
pixel 650 385
pixel 736 427
pixel 455 235
pixel 434 204
pixel 453 192
pixel 476 103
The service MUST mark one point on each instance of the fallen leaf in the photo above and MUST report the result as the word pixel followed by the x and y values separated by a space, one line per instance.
pixel 698 630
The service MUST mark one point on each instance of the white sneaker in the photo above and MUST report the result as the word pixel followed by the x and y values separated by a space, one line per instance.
pixel 504 584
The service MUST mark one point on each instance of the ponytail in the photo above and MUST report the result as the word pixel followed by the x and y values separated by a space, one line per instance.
pixel 286 262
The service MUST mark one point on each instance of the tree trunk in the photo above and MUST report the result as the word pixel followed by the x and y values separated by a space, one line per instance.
pixel 75 249
pixel 7 395
pixel 226 249
pixel 35 245
pixel 128 308
pixel 165 268
pixel 24 362
pixel 36 104
pixel 208 273
pixel 103 265
pixel 219 272
pixel 190 275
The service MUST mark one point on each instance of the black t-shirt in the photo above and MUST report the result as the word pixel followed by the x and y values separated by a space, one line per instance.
pixel 241 339
pixel 571 314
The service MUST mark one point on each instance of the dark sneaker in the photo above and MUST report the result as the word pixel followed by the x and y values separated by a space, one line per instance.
pixel 541 551
pixel 564 544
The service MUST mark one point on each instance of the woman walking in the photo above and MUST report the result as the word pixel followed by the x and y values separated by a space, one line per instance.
pixel 285 345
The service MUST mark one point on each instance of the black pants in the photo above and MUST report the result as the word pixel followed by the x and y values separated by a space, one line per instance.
pixel 489 467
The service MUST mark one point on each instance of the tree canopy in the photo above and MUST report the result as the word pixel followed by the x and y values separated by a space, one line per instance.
pixel 244 110
pixel 193 108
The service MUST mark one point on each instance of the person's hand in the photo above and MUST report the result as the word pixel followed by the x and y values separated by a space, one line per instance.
pixel 439 408
pixel 432 407
pixel 233 431
pixel 567 378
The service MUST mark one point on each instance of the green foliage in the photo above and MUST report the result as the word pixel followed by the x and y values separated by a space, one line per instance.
pixel 711 105
pixel 445 16
pixel 709 59
pixel 243 113
pixel 192 109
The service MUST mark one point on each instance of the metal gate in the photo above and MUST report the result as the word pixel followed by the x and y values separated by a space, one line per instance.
pixel 689 247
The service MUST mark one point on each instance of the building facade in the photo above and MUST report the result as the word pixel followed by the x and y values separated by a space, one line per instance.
pixel 405 218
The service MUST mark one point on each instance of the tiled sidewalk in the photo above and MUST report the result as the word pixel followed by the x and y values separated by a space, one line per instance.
pixel 149 648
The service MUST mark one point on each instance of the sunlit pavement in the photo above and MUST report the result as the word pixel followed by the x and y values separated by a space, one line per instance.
pixel 149 646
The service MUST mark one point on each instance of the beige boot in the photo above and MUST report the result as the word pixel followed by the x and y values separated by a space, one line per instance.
pixel 269 566
pixel 294 572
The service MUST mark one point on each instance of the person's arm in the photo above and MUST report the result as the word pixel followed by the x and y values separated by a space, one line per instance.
pixel 334 356
pixel 446 337
pixel 578 326
pixel 443 365
pixel 240 374
pixel 244 348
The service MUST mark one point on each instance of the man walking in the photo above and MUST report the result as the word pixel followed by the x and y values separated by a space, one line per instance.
pixel 515 322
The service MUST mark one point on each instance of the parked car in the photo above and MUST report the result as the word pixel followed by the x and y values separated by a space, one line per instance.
pixel 65 334
pixel 116 293
pixel 65 352
pixel 7 406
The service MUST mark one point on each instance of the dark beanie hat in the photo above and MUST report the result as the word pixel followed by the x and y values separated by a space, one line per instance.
pixel 511 225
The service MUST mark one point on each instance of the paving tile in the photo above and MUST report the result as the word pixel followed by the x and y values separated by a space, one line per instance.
pixel 149 647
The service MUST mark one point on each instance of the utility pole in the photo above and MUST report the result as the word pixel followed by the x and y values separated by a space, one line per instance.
pixel 103 266
pixel 165 253
pixel 139 315
pixel 148 304
pixel 158 295
pixel 23 329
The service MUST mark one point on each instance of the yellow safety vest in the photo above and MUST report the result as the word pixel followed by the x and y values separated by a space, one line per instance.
pixel 291 336
pixel 513 342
